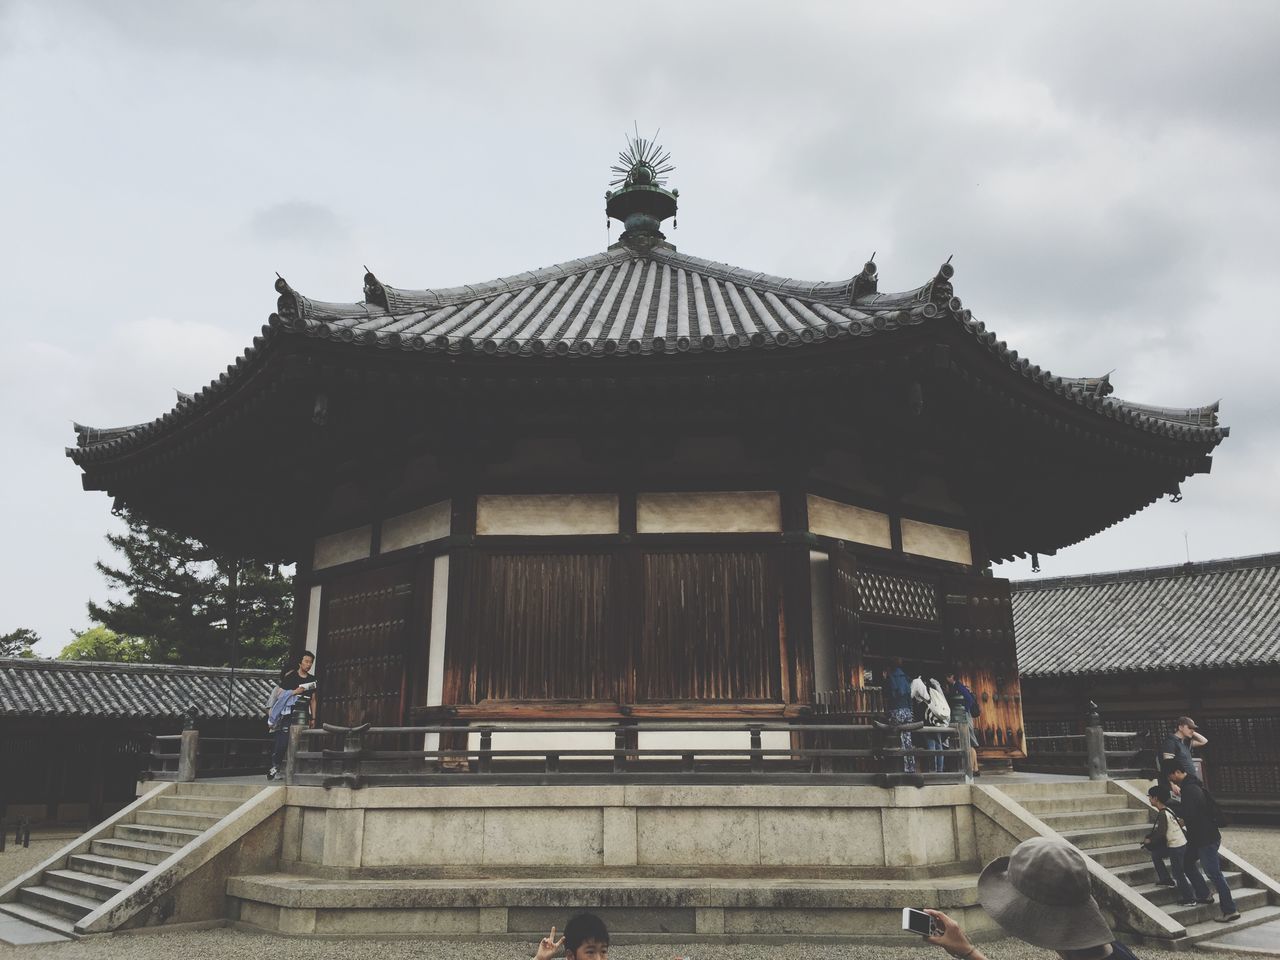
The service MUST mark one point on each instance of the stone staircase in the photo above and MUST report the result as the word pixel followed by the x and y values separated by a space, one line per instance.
pixel 1107 824
pixel 81 883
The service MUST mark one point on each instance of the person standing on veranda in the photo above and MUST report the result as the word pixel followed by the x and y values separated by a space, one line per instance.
pixel 293 701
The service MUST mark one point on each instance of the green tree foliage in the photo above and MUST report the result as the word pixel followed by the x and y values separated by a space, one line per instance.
pixel 105 646
pixel 19 643
pixel 185 602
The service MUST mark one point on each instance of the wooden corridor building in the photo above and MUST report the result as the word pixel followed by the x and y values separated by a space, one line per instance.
pixel 642 483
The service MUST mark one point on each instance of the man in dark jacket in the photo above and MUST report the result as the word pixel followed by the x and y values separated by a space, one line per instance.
pixel 1200 813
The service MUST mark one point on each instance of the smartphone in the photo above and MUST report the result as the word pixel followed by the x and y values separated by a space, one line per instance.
pixel 917 921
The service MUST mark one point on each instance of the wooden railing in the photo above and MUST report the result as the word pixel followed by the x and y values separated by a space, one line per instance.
pixel 1097 753
pixel 188 756
pixel 813 751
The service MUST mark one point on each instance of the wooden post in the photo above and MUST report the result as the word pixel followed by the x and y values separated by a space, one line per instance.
pixel 188 755
pixel 619 748
pixel 960 719
pixel 486 750
pixel 1095 741
pixel 291 751
pixel 757 758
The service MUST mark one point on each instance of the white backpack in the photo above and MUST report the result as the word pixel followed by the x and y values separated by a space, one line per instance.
pixel 938 712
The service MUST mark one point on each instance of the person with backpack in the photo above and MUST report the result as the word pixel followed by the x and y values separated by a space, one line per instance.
pixel 1204 819
pixel 1167 839
pixel 927 710
pixel 938 714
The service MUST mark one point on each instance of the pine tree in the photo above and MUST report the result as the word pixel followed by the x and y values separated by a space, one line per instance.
pixel 187 603
pixel 19 643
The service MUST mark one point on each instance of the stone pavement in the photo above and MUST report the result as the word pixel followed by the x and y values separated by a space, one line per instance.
pixel 1263 940
pixel 15 932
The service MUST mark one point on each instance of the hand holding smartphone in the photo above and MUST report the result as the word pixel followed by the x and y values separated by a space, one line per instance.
pixel 917 921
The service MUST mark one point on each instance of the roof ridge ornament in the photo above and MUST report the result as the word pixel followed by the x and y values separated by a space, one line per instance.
pixel 374 291
pixel 642 200
pixel 865 283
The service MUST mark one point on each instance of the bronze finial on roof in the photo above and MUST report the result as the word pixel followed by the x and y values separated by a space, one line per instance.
pixel 642 200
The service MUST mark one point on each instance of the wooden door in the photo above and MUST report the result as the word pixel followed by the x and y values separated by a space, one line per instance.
pixel 978 614
pixel 364 643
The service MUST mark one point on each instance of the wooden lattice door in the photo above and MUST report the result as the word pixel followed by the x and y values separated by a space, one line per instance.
pixel 978 612
pixel 363 647
pixel 881 613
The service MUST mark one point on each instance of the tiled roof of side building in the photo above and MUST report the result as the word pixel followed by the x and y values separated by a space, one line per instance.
pixel 74 688
pixel 1217 614
pixel 633 301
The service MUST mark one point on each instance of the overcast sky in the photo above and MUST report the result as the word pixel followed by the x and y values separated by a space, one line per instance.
pixel 1104 173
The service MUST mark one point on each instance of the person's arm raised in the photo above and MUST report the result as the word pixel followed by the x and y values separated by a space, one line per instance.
pixel 952 939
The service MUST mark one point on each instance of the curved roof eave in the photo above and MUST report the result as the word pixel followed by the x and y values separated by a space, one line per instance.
pixel 629 301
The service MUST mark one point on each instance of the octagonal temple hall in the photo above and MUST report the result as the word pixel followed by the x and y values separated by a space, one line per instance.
pixel 643 483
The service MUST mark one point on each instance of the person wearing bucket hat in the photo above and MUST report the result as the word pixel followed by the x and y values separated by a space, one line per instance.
pixel 1039 894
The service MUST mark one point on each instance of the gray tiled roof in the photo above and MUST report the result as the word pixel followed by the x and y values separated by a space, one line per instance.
pixel 74 688
pixel 1223 613
pixel 633 302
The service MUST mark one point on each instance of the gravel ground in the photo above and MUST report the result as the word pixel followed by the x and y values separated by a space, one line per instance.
pixel 1260 845
pixel 18 860
pixel 225 944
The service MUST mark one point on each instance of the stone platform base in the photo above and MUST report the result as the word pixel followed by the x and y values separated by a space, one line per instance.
pixel 651 908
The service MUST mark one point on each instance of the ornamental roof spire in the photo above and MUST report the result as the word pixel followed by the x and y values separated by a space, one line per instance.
pixel 640 200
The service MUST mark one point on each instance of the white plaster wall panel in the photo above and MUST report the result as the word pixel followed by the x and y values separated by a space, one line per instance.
pixel 824 655
pixel 757 511
pixel 562 743
pixel 342 547
pixel 844 521
pixel 941 543
pixel 687 741
pixel 313 617
pixel 417 526
pixel 546 514
pixel 435 641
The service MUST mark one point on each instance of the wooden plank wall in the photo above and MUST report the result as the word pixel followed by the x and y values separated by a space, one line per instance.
pixel 710 627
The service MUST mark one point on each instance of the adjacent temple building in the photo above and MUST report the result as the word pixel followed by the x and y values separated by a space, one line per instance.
pixel 646 484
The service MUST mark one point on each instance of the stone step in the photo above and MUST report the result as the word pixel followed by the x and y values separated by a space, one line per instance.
pixel 164 817
pixel 1094 837
pixel 72 906
pixel 151 853
pixel 171 836
pixel 1248 899
pixel 650 905
pixel 216 791
pixel 38 917
pixel 219 806
pixel 1145 885
pixel 1082 820
pixel 1212 928
pixel 83 884
pixel 1122 855
pixel 112 868
pixel 1049 789
pixel 1087 802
